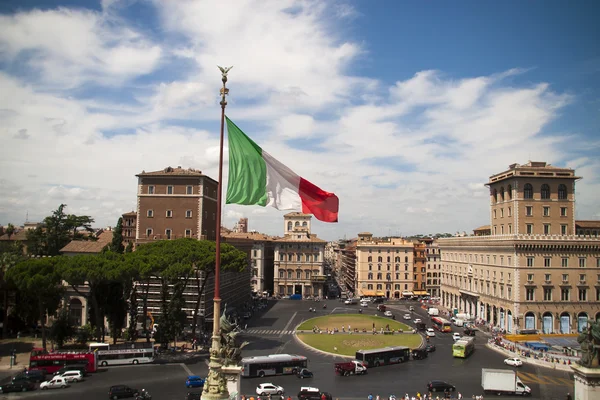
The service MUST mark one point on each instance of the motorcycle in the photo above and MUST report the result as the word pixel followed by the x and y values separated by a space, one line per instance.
pixel 312 310
pixel 324 305
pixel 360 310
pixel 143 396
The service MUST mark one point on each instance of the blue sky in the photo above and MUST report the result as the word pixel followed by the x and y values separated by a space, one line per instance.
pixel 403 109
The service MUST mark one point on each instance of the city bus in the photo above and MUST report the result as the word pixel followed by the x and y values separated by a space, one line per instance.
pixel 52 362
pixel 274 364
pixel 125 356
pixel 463 347
pixel 384 356
pixel 441 324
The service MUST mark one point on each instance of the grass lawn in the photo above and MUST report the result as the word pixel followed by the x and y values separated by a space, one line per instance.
pixel 358 321
pixel 348 344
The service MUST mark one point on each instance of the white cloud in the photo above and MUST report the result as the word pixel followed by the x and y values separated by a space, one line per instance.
pixel 410 157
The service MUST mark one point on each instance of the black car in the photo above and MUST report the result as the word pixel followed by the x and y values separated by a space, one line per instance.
pixel 74 367
pixel 193 396
pixel 419 354
pixel 304 373
pixel 440 386
pixel 313 394
pixel 121 392
pixel 469 331
pixel 21 385
pixel 430 347
pixel 32 376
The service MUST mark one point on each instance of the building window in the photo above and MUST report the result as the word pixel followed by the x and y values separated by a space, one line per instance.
pixel 564 294
pixel 189 189
pixel 530 294
pixel 494 214
pixel 546 210
pixel 564 262
pixel 562 192
pixel 149 232
pixel 528 191
pixel 168 233
pixel 582 262
pixel 307 275
pixel 547 261
pixel 150 189
pixel 298 257
pixel 529 277
pixel 169 213
pixel 563 211
pixel 379 276
pixel 563 229
pixel 529 211
pixel 545 192
pixel 583 294
pixel 598 262
pixel 529 261
pixel 547 277
pixel 509 211
pixel 281 274
pixel 581 277
pixel 290 274
pixel 169 189
pixel 547 294
pixel 565 278
pixel 370 276
pixel 188 233
pixel 502 213
pixel 546 229
pixel 150 213
pixel 298 274
pixel 509 228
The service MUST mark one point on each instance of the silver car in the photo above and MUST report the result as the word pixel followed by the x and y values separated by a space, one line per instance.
pixel 268 388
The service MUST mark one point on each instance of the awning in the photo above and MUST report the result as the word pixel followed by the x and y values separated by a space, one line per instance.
pixel 367 292
pixel 421 293
pixel 406 294
pixel 380 294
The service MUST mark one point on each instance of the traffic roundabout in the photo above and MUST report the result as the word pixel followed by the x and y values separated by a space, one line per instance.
pixel 344 334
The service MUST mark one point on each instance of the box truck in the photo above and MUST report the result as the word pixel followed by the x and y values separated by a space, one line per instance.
pixel 433 312
pixel 501 381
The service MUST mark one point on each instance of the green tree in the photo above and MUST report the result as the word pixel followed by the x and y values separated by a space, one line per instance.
pixel 129 247
pixel 7 261
pixel 10 230
pixel 39 279
pixel 36 242
pixel 116 245
pixel 61 330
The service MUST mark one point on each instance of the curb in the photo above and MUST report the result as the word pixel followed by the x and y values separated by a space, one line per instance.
pixel 526 360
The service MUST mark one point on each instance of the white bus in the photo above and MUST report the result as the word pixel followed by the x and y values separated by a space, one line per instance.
pixel 274 364
pixel 125 356
pixel 99 346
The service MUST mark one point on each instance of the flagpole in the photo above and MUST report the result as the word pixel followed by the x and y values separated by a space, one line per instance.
pixel 215 387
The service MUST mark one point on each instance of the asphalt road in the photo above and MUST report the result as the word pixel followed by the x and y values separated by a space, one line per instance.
pixel 272 332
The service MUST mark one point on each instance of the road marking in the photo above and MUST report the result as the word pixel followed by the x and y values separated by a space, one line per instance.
pixel 185 367
pixel 289 323
pixel 529 378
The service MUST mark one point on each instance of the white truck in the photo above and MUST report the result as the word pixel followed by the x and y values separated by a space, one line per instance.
pixel 353 367
pixel 433 312
pixel 501 381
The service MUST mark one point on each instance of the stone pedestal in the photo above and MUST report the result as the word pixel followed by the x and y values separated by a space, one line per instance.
pixel 587 383
pixel 233 376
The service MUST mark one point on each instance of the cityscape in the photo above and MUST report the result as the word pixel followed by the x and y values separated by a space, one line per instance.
pixel 359 232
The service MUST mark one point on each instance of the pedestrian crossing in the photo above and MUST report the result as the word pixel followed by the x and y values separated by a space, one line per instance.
pixel 269 332
pixel 533 378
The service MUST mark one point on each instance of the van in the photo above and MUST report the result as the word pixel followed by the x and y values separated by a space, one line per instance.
pixel 433 312
pixel 459 322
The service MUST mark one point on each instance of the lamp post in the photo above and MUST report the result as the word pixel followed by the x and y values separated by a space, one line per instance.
pixel 215 387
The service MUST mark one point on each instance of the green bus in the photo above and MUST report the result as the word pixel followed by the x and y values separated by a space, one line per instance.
pixel 463 347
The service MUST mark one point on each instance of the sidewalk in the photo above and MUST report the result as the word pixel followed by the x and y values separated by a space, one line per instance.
pixel 22 346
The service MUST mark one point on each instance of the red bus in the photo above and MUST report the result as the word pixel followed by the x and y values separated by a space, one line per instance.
pixel 52 362
pixel 441 324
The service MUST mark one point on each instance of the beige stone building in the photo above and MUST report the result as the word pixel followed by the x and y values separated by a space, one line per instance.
pixel 299 258
pixel 433 267
pixel 532 272
pixel 384 267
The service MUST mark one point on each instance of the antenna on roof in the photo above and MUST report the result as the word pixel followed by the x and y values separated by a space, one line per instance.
pixel 27 217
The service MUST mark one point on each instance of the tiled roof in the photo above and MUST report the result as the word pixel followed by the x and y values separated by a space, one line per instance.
pixel 246 235
pixel 297 214
pixel 20 235
pixel 364 233
pixel 170 171
pixel 312 239
pixel 88 246
pixel 130 214
pixel 483 228
pixel 588 224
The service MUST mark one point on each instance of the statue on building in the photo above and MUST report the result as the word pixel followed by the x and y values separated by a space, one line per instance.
pixel 231 352
pixel 589 340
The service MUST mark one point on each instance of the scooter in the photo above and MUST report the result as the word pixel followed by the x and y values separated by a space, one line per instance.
pixel 324 305
pixel 312 310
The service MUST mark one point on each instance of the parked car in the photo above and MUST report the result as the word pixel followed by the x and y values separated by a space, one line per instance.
pixel 268 388
pixel 33 375
pixel 515 362
pixel 121 392
pixel 440 386
pixel 456 336
pixel 55 383
pixel 73 367
pixel 22 385
pixel 417 320
pixel 304 373
pixel 194 381
pixel 388 314
pixel 430 332
pixel 407 316
pixel 430 348
pixel 72 376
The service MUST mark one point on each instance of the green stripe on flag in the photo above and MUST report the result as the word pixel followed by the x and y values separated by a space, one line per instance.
pixel 247 169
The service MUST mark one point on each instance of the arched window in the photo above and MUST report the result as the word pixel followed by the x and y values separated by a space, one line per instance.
pixel 495 195
pixel 406 259
pixel 297 223
pixel 509 192
pixel 562 192
pixel 502 193
pixel 370 259
pixel 397 267
pixel 370 275
pixel 304 223
pixel 379 275
pixel 545 192
pixel 290 226
pixel 397 259
pixel 379 259
pixel 290 257
pixel 388 259
pixel 528 191
pixel 370 286
pixel 388 277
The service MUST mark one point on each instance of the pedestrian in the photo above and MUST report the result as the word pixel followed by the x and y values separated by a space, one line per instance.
pixel 323 397
pixel 419 395
pixel 376 397
pixel 243 397
pixel 370 397
pixel 569 396
pixel 459 395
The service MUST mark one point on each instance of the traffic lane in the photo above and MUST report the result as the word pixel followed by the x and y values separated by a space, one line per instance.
pixel 162 381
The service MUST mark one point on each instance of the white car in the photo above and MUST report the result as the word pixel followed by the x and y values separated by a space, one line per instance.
pixel 72 376
pixel 268 388
pixel 417 321
pixel 430 332
pixel 456 336
pixel 388 314
pixel 55 383
pixel 364 304
pixel 407 316
pixel 515 362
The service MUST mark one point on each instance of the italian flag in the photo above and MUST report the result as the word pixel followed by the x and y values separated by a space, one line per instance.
pixel 255 177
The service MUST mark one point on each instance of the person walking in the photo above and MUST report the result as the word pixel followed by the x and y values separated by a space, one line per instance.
pixel 459 395
pixel 370 397
pixel 569 396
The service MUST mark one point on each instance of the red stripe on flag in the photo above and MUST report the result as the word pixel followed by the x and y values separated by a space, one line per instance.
pixel 323 205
